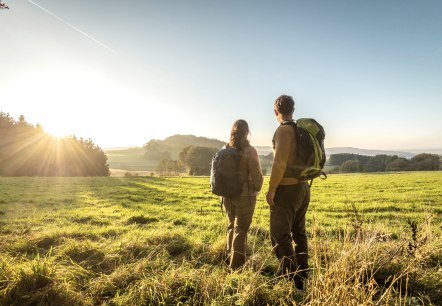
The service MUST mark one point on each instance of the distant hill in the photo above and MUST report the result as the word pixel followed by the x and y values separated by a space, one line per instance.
pixel 338 150
pixel 263 150
pixel 431 151
pixel 181 141
pixel 129 159
pixel 176 143
pixel 134 158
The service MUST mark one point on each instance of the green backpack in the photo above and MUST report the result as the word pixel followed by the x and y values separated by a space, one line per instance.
pixel 310 153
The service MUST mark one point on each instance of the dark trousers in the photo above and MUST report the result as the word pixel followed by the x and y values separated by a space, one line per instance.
pixel 287 223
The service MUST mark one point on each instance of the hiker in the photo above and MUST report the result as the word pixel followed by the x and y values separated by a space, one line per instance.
pixel 239 209
pixel 288 198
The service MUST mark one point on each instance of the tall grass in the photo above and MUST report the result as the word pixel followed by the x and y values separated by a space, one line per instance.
pixel 151 241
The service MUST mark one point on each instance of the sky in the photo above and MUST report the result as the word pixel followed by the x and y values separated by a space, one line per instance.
pixel 124 72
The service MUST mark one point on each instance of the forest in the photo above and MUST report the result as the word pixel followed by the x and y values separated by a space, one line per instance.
pixel 350 163
pixel 27 150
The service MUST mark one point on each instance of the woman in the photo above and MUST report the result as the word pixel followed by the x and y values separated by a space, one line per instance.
pixel 240 209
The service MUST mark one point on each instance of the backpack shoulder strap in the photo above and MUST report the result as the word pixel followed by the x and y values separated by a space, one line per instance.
pixel 288 122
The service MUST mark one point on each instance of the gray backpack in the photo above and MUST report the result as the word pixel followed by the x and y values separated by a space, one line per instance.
pixel 224 177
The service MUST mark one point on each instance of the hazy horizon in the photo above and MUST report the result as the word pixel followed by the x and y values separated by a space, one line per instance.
pixel 410 150
pixel 417 149
pixel 124 73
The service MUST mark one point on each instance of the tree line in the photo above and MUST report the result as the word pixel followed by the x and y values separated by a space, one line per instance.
pixel 27 150
pixel 174 155
pixel 350 163
pixel 192 160
pixel 196 160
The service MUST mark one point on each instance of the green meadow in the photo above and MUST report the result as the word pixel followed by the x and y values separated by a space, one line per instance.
pixel 375 239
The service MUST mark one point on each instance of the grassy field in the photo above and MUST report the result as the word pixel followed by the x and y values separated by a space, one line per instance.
pixel 375 239
pixel 130 159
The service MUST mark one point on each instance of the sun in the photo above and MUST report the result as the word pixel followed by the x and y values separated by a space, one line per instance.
pixel 85 102
pixel 56 128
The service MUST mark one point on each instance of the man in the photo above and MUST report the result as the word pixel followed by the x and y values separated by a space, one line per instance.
pixel 288 198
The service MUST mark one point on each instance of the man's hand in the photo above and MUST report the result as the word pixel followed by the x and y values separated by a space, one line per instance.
pixel 270 198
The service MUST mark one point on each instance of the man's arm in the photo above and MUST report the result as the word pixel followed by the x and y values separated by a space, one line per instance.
pixel 283 141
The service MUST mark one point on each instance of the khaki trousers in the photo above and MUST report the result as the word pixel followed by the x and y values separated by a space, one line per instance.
pixel 239 211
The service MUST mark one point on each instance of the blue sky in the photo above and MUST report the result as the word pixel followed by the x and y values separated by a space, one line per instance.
pixel 123 72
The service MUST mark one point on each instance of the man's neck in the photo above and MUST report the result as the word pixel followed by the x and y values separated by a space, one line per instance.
pixel 281 119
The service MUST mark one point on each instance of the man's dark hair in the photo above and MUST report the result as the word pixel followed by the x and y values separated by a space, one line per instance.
pixel 285 105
